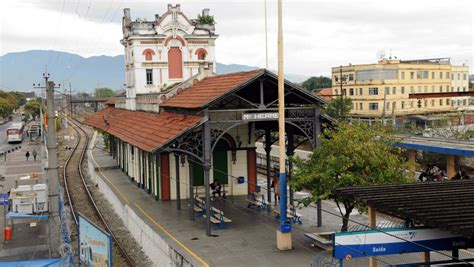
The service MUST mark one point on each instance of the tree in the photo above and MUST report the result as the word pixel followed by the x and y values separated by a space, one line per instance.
pixel 349 155
pixel 314 83
pixel 33 107
pixel 104 92
pixel 333 108
pixel 6 108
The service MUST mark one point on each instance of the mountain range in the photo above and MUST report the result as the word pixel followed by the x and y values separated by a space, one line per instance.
pixel 20 70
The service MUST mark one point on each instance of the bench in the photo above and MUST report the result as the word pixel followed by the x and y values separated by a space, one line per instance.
pixel 322 240
pixel 199 206
pixel 218 219
pixel 200 191
pixel 257 200
pixel 291 214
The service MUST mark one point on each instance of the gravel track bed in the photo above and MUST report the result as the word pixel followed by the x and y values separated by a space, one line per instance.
pixel 83 205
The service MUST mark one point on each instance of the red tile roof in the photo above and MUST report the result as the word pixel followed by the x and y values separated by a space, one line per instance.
pixel 210 88
pixel 147 131
pixel 325 93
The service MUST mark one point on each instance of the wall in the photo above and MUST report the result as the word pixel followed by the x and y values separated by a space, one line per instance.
pixel 153 244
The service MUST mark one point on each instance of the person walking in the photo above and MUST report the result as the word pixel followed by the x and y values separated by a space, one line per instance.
pixel 276 186
pixel 27 155
pixel 35 153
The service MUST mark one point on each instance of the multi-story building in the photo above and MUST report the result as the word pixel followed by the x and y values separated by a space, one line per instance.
pixel 165 51
pixel 383 89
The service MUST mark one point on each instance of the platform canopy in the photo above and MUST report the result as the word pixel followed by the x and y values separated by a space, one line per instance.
pixel 447 205
pixel 438 145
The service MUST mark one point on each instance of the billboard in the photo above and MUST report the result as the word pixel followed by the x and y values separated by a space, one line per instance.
pixel 394 241
pixel 95 245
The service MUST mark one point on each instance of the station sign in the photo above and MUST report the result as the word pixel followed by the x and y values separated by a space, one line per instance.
pixel 262 116
pixel 4 199
pixel 395 241
pixel 95 244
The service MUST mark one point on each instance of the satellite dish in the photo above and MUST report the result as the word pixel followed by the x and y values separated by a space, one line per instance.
pixel 380 54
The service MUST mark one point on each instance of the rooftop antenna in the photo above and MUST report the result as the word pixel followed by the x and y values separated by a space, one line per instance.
pixel 380 54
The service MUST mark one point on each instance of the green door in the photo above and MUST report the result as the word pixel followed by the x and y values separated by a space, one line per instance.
pixel 198 173
pixel 219 162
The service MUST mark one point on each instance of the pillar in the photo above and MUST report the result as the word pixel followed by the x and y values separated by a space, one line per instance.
pixel 207 166
pixel 317 143
pixel 178 193
pixel 450 166
pixel 372 223
pixel 268 149
pixel 426 257
pixel 412 164
pixel 191 190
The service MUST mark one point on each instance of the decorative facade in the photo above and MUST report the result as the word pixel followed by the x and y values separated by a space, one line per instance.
pixel 165 51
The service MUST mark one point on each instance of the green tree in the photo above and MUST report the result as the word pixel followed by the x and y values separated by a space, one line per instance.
pixel 33 107
pixel 333 108
pixel 6 107
pixel 10 98
pixel 104 92
pixel 20 98
pixel 349 155
pixel 314 83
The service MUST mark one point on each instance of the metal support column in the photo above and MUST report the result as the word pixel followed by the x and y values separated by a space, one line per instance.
pixel 178 193
pixel 207 168
pixel 191 190
pixel 268 149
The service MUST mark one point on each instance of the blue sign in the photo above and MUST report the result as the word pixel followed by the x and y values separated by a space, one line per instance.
pixel 95 245
pixel 395 241
pixel 4 199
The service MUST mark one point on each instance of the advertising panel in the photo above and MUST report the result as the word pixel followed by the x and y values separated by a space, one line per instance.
pixel 394 241
pixel 95 245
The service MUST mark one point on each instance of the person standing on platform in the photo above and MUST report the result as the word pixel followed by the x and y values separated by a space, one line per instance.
pixel 27 155
pixel 35 154
pixel 276 187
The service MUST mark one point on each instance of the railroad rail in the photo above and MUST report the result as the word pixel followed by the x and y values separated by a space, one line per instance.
pixel 76 158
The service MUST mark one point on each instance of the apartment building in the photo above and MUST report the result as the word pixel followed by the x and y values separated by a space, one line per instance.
pixel 384 88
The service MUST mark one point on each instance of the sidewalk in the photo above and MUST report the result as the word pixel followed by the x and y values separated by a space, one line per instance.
pixel 28 242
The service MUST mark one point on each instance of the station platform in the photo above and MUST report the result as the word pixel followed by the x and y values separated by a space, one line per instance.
pixel 249 241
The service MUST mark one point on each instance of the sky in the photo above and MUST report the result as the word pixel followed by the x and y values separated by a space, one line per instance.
pixel 317 34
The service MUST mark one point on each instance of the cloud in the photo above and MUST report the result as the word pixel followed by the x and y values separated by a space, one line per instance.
pixel 318 34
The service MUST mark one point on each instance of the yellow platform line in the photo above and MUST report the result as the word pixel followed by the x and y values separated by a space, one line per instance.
pixel 171 236
pixel 151 218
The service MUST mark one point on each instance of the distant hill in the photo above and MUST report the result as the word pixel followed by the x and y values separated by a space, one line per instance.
pixel 19 70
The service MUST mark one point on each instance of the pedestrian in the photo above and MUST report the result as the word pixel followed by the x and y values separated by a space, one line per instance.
pixel 276 186
pixel 34 154
pixel 27 155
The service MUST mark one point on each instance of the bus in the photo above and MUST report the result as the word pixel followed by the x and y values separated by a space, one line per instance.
pixel 15 132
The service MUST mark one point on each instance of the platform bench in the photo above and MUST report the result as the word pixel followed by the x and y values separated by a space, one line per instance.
pixel 218 219
pixel 291 214
pixel 258 201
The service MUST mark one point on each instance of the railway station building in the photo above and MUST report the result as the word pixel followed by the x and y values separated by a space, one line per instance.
pixel 180 126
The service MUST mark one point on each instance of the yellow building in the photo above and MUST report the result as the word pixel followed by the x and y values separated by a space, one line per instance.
pixel 383 88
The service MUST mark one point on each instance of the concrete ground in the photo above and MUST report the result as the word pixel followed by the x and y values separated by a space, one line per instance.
pixel 251 239
pixel 27 242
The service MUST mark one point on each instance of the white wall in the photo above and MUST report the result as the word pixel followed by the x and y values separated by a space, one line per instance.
pixel 183 177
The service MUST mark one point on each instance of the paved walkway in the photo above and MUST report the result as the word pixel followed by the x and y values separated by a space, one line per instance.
pixel 27 242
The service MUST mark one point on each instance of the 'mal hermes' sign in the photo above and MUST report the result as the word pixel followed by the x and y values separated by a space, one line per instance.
pixel 260 116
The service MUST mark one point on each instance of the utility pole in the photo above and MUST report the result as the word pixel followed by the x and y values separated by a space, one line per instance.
pixel 38 86
pixel 266 37
pixel 284 241
pixel 70 101
pixel 52 171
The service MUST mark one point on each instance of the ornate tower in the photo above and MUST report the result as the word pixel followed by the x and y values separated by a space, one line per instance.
pixel 165 51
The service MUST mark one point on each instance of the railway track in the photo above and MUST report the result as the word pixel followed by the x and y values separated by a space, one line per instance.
pixel 80 198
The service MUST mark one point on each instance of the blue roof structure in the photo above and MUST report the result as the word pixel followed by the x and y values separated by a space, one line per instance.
pixel 440 146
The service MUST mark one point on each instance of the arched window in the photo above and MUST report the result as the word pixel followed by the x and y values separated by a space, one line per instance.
pixel 201 54
pixel 175 63
pixel 148 53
